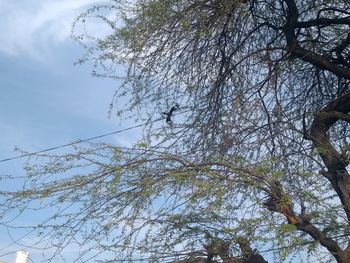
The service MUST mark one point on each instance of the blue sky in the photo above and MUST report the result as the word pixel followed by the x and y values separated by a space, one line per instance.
pixel 45 100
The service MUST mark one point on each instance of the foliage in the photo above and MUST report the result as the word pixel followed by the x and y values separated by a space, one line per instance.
pixel 257 153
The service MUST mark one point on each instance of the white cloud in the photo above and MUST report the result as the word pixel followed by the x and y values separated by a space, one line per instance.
pixel 32 27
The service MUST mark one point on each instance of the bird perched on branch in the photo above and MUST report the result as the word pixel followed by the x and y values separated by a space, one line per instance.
pixel 169 114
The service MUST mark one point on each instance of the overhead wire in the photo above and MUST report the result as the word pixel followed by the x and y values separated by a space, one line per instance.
pixel 120 131
pixel 78 141
pixel 83 140
pixel 174 257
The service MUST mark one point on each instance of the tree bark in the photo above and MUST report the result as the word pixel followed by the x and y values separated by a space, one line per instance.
pixel 277 203
pixel 334 161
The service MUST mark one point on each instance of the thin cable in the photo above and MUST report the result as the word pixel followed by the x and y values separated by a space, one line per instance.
pixel 262 251
pixel 77 142
pixel 83 140
pixel 301 244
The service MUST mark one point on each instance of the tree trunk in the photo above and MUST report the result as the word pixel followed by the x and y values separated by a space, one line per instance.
pixel 336 164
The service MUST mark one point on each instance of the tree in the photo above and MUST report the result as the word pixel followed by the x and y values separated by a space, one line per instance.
pixel 256 156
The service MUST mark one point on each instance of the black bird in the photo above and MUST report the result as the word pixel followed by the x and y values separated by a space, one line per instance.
pixel 170 113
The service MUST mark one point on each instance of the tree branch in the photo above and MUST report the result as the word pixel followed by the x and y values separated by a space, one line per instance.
pixel 311 57
pixel 281 203
pixel 334 161
pixel 323 22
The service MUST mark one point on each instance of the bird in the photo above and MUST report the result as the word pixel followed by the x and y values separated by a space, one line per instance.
pixel 169 114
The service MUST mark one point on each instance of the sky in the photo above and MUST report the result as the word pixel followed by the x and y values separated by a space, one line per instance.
pixel 45 99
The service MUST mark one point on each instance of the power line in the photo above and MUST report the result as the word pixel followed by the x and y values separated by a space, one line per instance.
pixel 76 142
pixel 262 251
pixel 82 140
pixel 300 244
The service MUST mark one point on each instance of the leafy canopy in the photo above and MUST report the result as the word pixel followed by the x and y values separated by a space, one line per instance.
pixel 261 86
